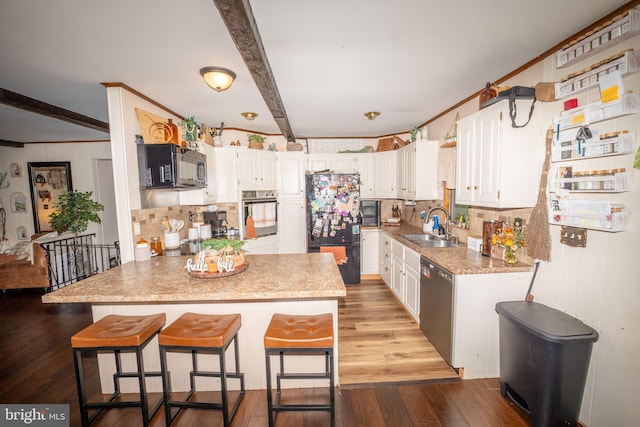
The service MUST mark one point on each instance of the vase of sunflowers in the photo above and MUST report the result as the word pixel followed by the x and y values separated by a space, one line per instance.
pixel 512 238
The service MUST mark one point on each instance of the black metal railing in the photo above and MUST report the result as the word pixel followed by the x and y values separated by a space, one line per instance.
pixel 76 258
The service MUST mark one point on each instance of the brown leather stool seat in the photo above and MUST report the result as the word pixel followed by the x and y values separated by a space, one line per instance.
pixel 299 335
pixel 117 333
pixel 202 333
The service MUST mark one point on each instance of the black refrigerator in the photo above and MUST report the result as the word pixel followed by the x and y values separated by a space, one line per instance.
pixel 333 220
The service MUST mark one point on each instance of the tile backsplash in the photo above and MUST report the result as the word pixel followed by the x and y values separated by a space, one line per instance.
pixel 151 219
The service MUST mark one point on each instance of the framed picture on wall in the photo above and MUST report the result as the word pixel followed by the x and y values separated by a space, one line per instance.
pixel 47 181
pixel 16 170
pixel 18 202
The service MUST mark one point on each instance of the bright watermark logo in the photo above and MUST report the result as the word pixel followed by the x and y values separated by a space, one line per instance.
pixel 34 415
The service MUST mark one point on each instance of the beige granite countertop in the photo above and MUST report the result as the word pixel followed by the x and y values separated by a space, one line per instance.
pixel 164 279
pixel 458 260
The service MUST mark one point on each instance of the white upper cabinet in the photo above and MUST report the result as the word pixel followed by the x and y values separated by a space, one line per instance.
pixel 385 168
pixel 290 169
pixel 226 180
pixel 256 169
pixel 364 166
pixel 498 165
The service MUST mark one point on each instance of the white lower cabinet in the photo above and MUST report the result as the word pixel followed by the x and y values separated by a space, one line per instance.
pixel 412 282
pixel 369 253
pixel 404 276
pixel 292 234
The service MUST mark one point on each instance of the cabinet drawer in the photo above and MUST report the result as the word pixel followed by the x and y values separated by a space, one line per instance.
pixel 412 258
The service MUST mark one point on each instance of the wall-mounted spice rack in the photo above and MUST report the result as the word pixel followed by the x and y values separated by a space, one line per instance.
pixel 616 30
pixel 612 144
pixel 596 181
pixel 626 62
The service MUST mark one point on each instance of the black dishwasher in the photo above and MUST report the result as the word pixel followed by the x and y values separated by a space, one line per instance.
pixel 436 306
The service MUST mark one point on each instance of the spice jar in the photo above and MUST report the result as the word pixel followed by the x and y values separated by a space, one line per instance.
pixel 156 245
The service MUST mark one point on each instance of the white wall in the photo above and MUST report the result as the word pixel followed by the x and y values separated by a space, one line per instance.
pixel 599 284
pixel 81 156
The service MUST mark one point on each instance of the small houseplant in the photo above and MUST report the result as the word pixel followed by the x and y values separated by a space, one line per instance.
pixel 74 211
pixel 256 141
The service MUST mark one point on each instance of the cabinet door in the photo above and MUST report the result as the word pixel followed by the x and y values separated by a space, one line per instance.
pixel 290 169
pixel 364 166
pixel 292 233
pixel 465 161
pixel 487 156
pixel 397 275
pixel 369 252
pixel 412 282
pixel 385 170
pixel 401 172
pixel 410 171
pixel 225 174
pixel 412 291
pixel 265 163
pixel 344 163
pixel 245 169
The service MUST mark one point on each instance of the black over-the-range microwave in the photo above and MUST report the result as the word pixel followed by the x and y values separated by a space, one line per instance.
pixel 171 166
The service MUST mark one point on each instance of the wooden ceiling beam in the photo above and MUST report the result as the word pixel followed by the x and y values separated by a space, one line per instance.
pixel 5 143
pixel 22 102
pixel 242 27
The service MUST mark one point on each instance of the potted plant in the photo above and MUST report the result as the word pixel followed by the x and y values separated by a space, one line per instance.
pixel 215 251
pixel 256 141
pixel 74 211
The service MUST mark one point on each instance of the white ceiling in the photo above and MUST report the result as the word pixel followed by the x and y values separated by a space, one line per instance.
pixel 332 60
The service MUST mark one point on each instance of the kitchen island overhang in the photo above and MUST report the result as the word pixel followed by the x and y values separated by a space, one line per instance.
pixel 292 283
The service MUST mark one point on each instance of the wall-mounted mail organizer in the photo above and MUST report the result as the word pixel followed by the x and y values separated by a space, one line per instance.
pixel 619 28
pixel 626 62
pixel 602 216
pixel 629 103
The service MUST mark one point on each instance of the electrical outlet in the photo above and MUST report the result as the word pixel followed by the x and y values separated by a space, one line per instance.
pixel 136 228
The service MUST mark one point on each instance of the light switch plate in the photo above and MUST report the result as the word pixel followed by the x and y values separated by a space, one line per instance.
pixel 573 236
pixel 136 228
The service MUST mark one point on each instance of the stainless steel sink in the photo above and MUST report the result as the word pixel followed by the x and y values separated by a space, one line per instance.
pixel 429 241
pixel 421 237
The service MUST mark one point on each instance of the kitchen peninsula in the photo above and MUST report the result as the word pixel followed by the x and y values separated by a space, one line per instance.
pixel 292 284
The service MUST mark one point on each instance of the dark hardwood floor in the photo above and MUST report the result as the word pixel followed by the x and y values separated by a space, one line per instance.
pixel 36 367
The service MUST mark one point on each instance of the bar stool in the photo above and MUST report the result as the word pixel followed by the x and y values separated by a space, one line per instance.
pixel 117 334
pixel 299 335
pixel 205 333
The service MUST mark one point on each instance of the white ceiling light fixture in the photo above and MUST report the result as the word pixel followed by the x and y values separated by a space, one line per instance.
pixel 249 115
pixel 372 114
pixel 218 78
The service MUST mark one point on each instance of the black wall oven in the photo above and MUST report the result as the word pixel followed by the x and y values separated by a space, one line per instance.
pixel 262 207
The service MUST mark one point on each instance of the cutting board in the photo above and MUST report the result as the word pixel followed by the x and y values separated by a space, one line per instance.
pixel 146 120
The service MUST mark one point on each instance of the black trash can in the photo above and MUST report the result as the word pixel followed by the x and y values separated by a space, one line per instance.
pixel 544 358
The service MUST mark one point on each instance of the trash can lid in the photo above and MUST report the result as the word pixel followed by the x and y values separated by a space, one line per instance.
pixel 546 322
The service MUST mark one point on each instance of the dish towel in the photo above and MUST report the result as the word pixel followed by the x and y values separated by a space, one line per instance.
pixel 250 229
pixel 258 214
pixel 269 214
pixel 339 253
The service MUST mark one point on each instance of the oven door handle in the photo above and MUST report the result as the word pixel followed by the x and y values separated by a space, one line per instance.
pixel 259 200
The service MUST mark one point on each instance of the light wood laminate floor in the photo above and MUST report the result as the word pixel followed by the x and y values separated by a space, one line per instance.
pixel 380 342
